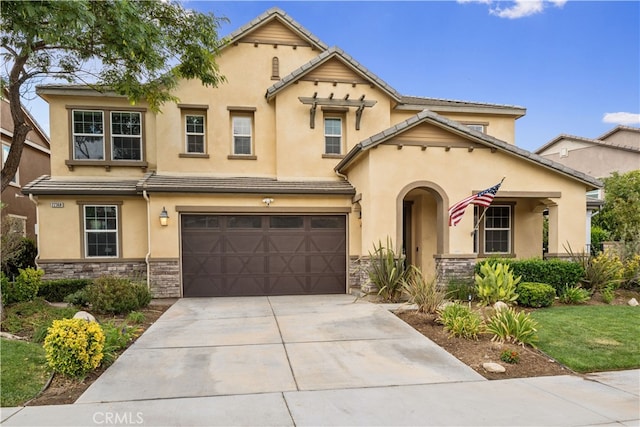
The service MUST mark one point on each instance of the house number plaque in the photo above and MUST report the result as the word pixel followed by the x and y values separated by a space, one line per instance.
pixel 57 204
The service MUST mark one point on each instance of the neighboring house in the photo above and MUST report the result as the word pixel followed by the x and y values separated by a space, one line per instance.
pixel 34 163
pixel 282 179
pixel 616 151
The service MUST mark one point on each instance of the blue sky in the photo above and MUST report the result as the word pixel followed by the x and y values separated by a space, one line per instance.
pixel 572 64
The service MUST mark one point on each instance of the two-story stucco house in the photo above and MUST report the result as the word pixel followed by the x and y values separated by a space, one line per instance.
pixel 280 180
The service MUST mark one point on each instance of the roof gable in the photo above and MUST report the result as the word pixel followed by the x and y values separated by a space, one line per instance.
pixel 333 62
pixel 275 27
pixel 618 129
pixel 463 131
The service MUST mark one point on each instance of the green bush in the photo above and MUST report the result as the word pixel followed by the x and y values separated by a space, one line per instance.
pixel 496 283
pixel 74 347
pixel 57 290
pixel 116 338
pixel 115 295
pixel 23 256
pixel 387 271
pixel 24 288
pixel 507 325
pixel 574 295
pixel 554 272
pixel 460 321
pixel 608 294
pixel 535 294
pixel 460 289
pixel 510 356
pixel 422 291
pixel 79 298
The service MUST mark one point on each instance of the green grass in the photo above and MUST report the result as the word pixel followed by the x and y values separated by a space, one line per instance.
pixel 31 319
pixel 23 369
pixel 591 338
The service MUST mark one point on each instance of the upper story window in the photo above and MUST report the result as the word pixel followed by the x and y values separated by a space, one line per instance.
pixel 126 135
pixel 194 128
pixel 106 137
pixel 242 135
pixel 333 135
pixel 275 68
pixel 477 127
pixel 5 154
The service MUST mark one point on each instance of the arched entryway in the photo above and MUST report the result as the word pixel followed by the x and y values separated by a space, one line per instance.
pixel 422 223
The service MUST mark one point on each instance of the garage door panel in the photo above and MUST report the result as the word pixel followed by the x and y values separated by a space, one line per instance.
pixel 227 255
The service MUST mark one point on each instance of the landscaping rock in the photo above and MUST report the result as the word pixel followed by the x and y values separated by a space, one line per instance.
pixel 633 302
pixel 500 306
pixel 84 315
pixel 494 367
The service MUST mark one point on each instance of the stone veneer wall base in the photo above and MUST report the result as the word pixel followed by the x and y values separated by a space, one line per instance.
pixel 164 276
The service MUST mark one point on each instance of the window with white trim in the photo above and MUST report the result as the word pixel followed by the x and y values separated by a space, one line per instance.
pixel 126 135
pixel 100 231
pixel 497 230
pixel 5 154
pixel 332 135
pixel 477 127
pixel 494 233
pixel 242 135
pixel 195 134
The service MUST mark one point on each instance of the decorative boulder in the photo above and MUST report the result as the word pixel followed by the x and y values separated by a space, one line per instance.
pixel 494 367
pixel 633 302
pixel 84 315
pixel 500 305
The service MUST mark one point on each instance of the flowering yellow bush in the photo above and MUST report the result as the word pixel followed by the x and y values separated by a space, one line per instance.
pixel 74 347
pixel 632 271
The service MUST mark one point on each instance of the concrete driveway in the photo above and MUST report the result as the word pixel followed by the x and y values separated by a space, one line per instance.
pixel 231 346
pixel 318 360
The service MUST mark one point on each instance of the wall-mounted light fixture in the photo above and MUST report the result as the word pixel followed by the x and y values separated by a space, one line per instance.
pixel 267 201
pixel 164 217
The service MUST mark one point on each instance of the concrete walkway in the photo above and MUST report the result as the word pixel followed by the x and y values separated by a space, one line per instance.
pixel 320 360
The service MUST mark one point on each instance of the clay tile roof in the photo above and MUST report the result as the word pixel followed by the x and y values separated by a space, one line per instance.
pixel 47 185
pixel 247 185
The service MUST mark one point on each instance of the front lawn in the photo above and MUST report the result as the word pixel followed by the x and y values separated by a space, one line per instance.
pixel 23 369
pixel 591 338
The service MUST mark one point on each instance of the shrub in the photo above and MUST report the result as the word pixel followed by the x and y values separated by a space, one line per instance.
pixel 116 339
pixel 460 289
pixel 24 288
pixel 21 255
pixel 608 294
pixel 460 321
pixel 57 290
pixel 535 294
pixel 136 317
pixel 78 298
pixel 422 291
pixel 631 274
pixel 510 326
pixel 510 356
pixel 74 347
pixel 115 295
pixel 496 283
pixel 387 271
pixel 554 272
pixel 574 295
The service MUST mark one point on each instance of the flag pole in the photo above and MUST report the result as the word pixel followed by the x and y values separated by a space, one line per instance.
pixel 483 214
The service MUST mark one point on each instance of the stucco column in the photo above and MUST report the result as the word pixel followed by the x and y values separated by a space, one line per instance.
pixel 553 230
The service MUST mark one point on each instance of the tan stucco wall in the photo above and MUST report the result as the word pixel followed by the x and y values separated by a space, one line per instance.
pixel 62 234
pixel 597 161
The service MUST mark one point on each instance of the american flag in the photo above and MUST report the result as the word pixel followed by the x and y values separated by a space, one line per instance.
pixel 483 198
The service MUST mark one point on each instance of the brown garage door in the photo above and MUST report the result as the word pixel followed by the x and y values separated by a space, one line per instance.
pixel 236 255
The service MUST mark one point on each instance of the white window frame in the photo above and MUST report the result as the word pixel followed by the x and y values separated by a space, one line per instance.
pixel 86 231
pixel 5 154
pixel 132 136
pixel 234 134
pixel 477 127
pixel 188 134
pixel 331 135
pixel 89 135
pixel 508 229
